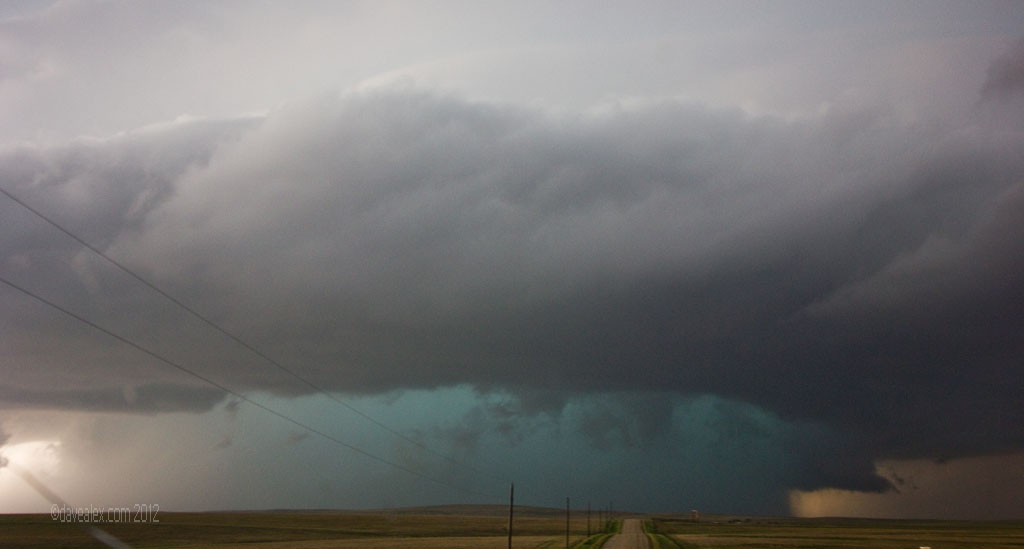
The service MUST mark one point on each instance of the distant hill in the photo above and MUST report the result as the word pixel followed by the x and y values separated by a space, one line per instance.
pixel 463 510
pixel 467 510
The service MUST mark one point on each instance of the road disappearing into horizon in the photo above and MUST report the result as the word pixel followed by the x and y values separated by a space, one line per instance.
pixel 631 537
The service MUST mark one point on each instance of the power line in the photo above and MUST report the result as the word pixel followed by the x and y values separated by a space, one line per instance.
pixel 232 392
pixel 238 340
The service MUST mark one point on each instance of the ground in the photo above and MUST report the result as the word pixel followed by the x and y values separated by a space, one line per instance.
pixel 465 527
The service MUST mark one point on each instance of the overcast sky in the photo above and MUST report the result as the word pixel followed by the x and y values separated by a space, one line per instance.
pixel 748 257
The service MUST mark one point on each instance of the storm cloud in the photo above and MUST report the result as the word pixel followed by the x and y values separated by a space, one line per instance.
pixel 855 273
pixel 1006 74
pixel 825 287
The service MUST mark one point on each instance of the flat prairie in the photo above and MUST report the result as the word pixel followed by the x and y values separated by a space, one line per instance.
pixel 721 532
pixel 404 528
pixel 463 527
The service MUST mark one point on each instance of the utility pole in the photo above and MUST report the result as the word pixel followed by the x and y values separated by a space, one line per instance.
pixel 567 523
pixel 588 519
pixel 511 505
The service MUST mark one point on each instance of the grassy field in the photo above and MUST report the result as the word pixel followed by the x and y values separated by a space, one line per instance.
pixel 740 532
pixel 424 528
pixel 466 527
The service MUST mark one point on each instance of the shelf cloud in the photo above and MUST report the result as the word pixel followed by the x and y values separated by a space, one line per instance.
pixel 846 278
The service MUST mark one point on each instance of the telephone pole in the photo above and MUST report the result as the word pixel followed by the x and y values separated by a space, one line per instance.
pixel 511 505
pixel 567 523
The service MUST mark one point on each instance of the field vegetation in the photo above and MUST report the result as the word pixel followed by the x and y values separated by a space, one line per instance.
pixel 729 532
pixel 422 528
pixel 479 526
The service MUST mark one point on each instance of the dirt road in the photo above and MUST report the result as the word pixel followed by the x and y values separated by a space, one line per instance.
pixel 631 537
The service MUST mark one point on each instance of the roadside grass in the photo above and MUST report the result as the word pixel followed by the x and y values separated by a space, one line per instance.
pixel 836 533
pixel 610 528
pixel 661 541
pixel 658 540
pixel 593 542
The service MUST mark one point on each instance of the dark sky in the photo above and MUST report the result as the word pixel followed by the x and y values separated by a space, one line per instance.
pixel 763 264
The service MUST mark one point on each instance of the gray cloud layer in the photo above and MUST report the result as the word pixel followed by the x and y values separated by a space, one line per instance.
pixel 845 269
pixel 1006 74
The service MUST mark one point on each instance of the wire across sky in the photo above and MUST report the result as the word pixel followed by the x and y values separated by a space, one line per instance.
pixel 249 347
